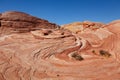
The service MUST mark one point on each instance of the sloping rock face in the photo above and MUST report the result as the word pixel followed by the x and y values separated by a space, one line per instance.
pixel 14 21
pixel 59 54
pixel 81 26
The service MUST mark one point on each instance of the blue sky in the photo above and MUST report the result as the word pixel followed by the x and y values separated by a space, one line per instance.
pixel 66 11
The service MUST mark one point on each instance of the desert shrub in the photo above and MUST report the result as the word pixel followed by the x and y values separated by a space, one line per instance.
pixel 77 56
pixel 104 53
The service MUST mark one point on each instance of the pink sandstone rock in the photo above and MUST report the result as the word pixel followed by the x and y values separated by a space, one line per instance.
pixel 60 54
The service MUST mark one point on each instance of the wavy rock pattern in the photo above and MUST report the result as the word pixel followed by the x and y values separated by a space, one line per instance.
pixel 59 54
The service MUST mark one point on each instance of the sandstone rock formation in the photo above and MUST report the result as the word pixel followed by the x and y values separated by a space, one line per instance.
pixel 81 26
pixel 14 21
pixel 60 54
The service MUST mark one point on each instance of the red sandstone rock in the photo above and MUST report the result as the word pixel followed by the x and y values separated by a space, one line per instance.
pixel 59 54
pixel 21 22
pixel 81 26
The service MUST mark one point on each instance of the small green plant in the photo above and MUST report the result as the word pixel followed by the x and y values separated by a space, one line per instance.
pixel 77 56
pixel 104 53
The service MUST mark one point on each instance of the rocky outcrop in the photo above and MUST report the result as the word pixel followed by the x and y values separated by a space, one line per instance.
pixel 21 22
pixel 60 54
pixel 81 26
